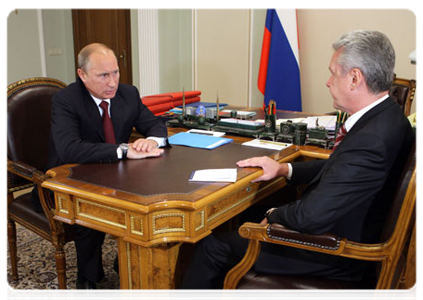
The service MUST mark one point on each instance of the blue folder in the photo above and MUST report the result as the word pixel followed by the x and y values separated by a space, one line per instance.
pixel 198 140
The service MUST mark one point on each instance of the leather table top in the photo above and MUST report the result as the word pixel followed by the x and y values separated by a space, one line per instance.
pixel 167 174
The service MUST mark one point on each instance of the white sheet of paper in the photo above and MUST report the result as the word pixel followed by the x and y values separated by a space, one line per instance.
pixel 266 144
pixel 329 122
pixel 214 175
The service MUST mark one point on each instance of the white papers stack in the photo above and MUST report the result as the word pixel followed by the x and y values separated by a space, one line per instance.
pixel 242 122
pixel 241 114
pixel 329 122
pixel 266 144
pixel 214 175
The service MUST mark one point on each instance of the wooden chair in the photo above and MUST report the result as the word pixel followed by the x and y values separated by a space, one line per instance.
pixel 28 128
pixel 403 92
pixel 391 253
pixel 409 287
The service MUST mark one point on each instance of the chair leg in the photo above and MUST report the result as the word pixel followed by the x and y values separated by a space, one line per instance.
pixel 61 267
pixel 11 236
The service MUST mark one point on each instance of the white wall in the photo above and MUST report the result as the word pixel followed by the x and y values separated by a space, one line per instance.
pixel 58 44
pixel 222 60
pixel 23 45
pixel 175 50
pixel 318 29
pixel 40 43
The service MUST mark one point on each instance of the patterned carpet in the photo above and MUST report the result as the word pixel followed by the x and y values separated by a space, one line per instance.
pixel 36 264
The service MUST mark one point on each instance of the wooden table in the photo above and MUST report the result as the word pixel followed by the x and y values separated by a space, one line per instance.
pixel 152 209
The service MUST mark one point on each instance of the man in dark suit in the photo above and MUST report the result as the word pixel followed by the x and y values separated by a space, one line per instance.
pixel 348 194
pixel 78 135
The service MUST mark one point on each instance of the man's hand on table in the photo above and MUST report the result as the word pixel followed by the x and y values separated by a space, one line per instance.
pixel 143 148
pixel 271 168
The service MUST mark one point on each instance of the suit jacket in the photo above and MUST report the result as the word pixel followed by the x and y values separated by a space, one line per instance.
pixel 77 134
pixel 349 193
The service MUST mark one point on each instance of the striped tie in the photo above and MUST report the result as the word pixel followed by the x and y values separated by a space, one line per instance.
pixel 109 133
pixel 342 132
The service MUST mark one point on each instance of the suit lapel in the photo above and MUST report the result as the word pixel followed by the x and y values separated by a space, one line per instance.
pixel 117 112
pixel 92 112
pixel 368 116
pixel 94 115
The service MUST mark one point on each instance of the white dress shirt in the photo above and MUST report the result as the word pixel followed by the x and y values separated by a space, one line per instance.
pixel 159 140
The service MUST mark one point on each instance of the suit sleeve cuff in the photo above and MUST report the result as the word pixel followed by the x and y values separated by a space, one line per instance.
pixel 119 153
pixel 161 142
pixel 289 176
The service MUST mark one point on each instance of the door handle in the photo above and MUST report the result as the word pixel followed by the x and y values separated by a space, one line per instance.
pixel 123 57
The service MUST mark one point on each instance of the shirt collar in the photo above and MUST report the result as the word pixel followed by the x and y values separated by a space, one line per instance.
pixel 98 101
pixel 349 123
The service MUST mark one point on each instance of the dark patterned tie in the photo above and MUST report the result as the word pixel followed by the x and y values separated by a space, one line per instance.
pixel 342 132
pixel 107 124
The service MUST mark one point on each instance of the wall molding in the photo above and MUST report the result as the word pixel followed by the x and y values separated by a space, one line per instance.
pixel 42 47
pixel 194 50
pixel 250 59
pixel 148 47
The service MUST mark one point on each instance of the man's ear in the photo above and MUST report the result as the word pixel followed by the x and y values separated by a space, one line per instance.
pixel 356 78
pixel 81 74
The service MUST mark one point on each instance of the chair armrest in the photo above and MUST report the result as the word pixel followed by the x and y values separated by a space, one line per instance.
pixel 21 169
pixel 26 171
pixel 19 176
pixel 324 243
pixel 278 234
pixel 35 176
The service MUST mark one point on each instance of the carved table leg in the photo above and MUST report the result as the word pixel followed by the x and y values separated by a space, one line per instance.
pixel 147 268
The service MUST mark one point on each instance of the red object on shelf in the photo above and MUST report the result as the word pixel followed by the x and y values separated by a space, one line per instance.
pixel 161 103
pixel 150 101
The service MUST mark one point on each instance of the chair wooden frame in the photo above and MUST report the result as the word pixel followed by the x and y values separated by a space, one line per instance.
pixel 411 84
pixel 388 252
pixel 22 176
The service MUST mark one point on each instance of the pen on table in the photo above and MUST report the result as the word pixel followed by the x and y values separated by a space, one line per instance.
pixel 203 133
pixel 273 143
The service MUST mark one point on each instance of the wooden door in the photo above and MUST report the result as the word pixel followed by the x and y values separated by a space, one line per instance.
pixel 108 26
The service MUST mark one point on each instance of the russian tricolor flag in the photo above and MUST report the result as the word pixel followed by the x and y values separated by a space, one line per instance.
pixel 279 74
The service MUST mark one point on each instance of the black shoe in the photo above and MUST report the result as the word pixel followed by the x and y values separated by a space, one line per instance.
pixel 116 265
pixel 87 290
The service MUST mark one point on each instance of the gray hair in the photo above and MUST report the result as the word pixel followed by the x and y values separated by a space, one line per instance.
pixel 372 53
pixel 85 53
